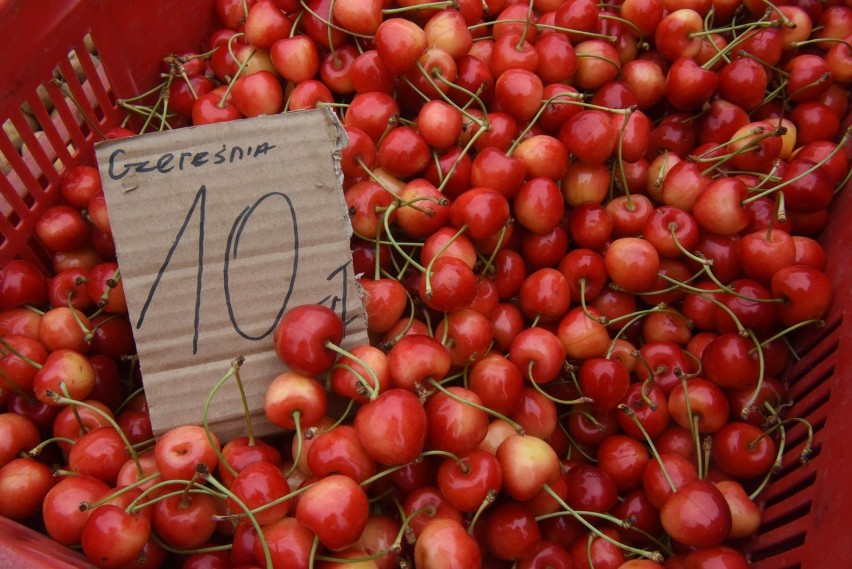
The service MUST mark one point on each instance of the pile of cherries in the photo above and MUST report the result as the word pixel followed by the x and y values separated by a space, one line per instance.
pixel 583 233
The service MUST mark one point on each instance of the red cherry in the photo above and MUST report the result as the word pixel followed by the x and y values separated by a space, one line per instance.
pixel 185 522
pixel 632 263
pixel 392 428
pixel 180 450
pixel 113 537
pixel 697 515
pixel 301 337
pixel 335 508
pixel 511 531
pixel 445 543
pixel 63 519
pixel 742 450
pixel 605 381
pixel 466 483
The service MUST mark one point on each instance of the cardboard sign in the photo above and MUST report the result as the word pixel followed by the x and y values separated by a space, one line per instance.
pixel 220 229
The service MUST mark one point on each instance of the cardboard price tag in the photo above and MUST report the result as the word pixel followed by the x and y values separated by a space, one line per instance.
pixel 219 229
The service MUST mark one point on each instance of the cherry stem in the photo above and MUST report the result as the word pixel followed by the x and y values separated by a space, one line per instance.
pixel 462 463
pixel 239 71
pixel 807 450
pixel 587 416
pixel 374 389
pixel 652 555
pixel 846 136
pixel 66 399
pixel 428 273
pixel 538 388
pixel 415 7
pixel 36 450
pixel 628 523
pixel 519 46
pixel 479 132
pixel 118 492
pixel 396 245
pixel 844 181
pixel 28 395
pixel 127 400
pixel 297 420
pixel 138 502
pixel 775 467
pixel 489 262
pixel 490 497
pixel 474 98
pixel 575 445
pixel 632 414
pixel 62 86
pixel 819 323
pixel 204 471
pixel 18 354
pixel 635 318
pixel 600 319
pixel 693 425
pixel 518 428
pixel 205 413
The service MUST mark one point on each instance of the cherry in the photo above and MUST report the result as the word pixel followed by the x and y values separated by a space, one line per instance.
pixel 511 531
pixel 745 515
pixel 113 537
pixel 180 450
pixel 106 288
pixel 185 521
pixel 697 515
pixel 591 226
pixel 309 95
pixel 340 451
pixel 64 520
pixel 415 359
pixel 21 283
pixel 590 136
pixel 453 424
pixel 536 414
pixel 586 183
pixel 700 404
pixel 444 542
pixel 484 211
pixel 449 285
pixel 673 36
pixel 400 43
pixel 527 462
pixel 582 336
pixel 688 85
pixel 806 292
pixel 605 381
pixel 729 362
pixel 24 483
pixel 590 489
pixel 302 335
pixel 650 408
pixel 466 483
pixel 742 450
pixel 392 428
pixel 259 484
pixel 598 63
pixel 632 263
pixel 545 295
pixel 498 382
pixel 288 541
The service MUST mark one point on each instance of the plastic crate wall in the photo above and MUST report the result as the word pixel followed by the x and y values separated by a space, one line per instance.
pixel 130 38
pixel 804 506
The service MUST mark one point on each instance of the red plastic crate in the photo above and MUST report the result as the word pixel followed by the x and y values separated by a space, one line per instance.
pixel 804 506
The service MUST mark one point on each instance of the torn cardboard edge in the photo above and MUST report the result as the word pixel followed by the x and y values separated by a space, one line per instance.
pixel 219 229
